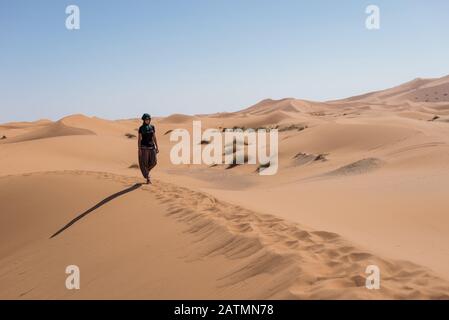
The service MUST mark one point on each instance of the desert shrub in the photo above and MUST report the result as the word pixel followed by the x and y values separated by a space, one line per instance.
pixel 130 135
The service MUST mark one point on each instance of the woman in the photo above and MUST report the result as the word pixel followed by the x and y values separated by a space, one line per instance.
pixel 148 148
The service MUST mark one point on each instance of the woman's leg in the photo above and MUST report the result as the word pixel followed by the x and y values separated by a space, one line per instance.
pixel 144 162
pixel 152 159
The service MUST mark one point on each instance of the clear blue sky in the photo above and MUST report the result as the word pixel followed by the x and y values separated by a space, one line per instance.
pixel 198 56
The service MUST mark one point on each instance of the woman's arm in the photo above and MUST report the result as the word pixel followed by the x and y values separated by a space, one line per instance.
pixel 155 142
pixel 139 141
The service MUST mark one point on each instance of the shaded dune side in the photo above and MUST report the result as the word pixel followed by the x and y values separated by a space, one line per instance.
pixel 259 121
pixel 289 105
pixel 57 129
pixel 358 167
pixel 294 261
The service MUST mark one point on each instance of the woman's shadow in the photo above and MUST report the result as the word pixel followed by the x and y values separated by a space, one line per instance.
pixel 98 205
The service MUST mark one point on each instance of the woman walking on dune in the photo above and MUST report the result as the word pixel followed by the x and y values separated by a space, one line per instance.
pixel 148 148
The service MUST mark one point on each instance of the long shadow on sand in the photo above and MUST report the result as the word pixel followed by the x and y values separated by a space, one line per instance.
pixel 98 205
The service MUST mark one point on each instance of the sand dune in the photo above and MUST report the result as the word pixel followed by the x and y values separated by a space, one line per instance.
pixel 97 125
pixel 13 129
pixel 121 252
pixel 361 181
pixel 301 263
pixel 20 125
pixel 288 105
pixel 418 90
pixel 51 130
pixel 261 121
pixel 233 252
pixel 177 118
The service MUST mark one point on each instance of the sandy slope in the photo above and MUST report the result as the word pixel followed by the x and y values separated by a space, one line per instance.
pixel 361 181
pixel 417 90
pixel 132 247
pixel 128 248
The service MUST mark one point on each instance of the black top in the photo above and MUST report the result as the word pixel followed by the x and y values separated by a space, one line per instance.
pixel 147 131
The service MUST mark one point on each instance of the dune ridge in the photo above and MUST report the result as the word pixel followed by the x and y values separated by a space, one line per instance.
pixel 301 263
pixel 57 129
pixel 285 259
pixel 434 90
pixel 271 257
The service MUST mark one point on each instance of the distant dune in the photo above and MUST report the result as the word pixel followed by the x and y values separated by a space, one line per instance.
pixel 418 90
pixel 177 118
pixel 57 129
pixel 269 106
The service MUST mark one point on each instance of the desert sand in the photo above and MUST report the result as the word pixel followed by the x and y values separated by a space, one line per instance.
pixel 361 181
